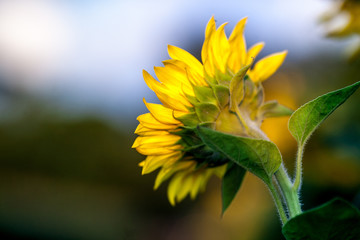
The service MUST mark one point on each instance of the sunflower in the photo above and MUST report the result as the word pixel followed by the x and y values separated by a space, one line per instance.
pixel 349 9
pixel 223 93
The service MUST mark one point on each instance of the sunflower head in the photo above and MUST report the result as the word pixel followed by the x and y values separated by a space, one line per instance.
pixel 223 93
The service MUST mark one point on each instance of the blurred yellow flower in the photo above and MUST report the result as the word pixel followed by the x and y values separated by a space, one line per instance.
pixel 350 11
pixel 222 93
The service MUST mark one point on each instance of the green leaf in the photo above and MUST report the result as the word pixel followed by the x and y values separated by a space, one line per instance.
pixel 336 219
pixel 231 184
pixel 274 109
pixel 258 156
pixel 308 117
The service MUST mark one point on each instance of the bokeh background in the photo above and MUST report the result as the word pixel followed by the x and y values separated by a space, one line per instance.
pixel 71 88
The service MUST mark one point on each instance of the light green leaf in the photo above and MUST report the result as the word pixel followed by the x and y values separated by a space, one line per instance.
pixel 336 219
pixel 258 156
pixel 274 109
pixel 308 117
pixel 231 184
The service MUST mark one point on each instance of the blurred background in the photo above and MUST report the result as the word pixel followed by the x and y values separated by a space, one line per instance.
pixel 71 88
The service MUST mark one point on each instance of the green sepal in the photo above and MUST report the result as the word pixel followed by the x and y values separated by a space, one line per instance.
pixel 223 78
pixel 308 117
pixel 190 109
pixel 194 147
pixel 211 125
pixel 204 94
pixel 336 219
pixel 222 95
pixel 231 184
pixel 193 100
pixel 274 109
pixel 254 94
pixel 190 119
pixel 207 112
pixel 237 87
pixel 258 156
pixel 189 138
pixel 208 79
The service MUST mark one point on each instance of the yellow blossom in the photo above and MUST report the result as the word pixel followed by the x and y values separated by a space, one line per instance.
pixel 349 10
pixel 221 92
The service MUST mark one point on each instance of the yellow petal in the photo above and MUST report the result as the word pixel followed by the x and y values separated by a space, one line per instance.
pixel 175 79
pixel 267 66
pixel 219 171
pixel 238 30
pixel 186 186
pixel 194 78
pixel 196 185
pixel 165 95
pixel 153 133
pixel 206 52
pixel 184 56
pixel 147 120
pixel 141 130
pixel 158 150
pixel 174 186
pixel 202 177
pixel 253 52
pixel 165 173
pixel 178 63
pixel 153 162
pixel 237 57
pixel 156 141
pixel 220 48
pixel 161 113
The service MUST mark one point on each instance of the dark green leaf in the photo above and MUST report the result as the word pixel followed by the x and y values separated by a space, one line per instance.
pixel 336 220
pixel 258 156
pixel 308 117
pixel 231 184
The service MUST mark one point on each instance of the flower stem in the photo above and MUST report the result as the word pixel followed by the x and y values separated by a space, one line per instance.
pixel 278 203
pixel 298 174
pixel 290 194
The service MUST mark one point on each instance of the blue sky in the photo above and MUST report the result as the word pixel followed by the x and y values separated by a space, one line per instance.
pixel 89 55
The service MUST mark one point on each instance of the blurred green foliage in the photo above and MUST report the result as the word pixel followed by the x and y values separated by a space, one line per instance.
pixel 68 176
pixel 71 178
